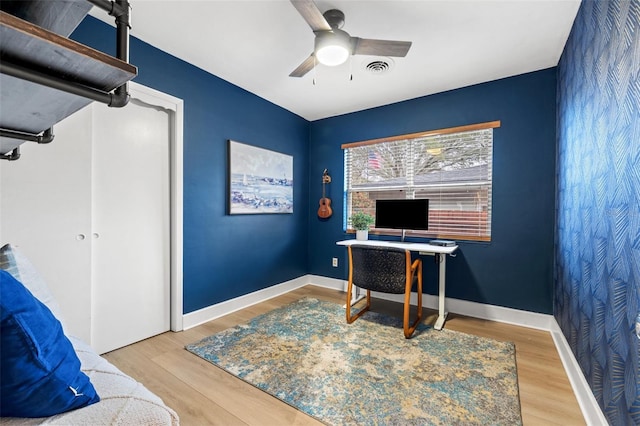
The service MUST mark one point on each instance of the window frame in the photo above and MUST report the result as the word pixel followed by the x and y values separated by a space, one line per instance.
pixel 417 137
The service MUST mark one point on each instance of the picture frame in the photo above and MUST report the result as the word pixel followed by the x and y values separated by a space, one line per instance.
pixel 260 180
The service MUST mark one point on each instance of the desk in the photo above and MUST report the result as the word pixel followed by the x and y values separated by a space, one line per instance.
pixel 438 251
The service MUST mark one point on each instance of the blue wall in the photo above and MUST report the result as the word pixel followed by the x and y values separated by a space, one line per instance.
pixel 224 256
pixel 516 268
pixel 597 295
pixel 228 256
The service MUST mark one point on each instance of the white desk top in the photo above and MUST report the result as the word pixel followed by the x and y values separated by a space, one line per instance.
pixel 419 247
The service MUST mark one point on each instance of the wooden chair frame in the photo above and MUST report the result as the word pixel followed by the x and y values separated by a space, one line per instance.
pixel 411 270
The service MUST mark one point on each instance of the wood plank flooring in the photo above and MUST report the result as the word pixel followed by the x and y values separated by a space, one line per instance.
pixel 203 394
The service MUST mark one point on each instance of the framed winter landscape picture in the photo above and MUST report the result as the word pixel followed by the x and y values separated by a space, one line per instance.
pixel 260 180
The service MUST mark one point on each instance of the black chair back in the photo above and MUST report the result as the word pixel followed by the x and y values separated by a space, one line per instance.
pixel 379 269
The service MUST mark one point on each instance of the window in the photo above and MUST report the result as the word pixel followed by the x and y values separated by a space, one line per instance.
pixel 451 167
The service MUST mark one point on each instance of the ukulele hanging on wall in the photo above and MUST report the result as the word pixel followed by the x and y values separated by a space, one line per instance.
pixel 325 211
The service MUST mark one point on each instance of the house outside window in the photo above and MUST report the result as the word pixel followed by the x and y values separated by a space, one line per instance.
pixel 451 167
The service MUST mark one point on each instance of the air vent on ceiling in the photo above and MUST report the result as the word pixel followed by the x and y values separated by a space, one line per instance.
pixel 378 66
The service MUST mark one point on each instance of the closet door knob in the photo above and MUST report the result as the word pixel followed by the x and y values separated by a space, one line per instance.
pixel 96 235
pixel 80 237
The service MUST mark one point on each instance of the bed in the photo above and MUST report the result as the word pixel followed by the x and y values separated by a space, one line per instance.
pixel 122 399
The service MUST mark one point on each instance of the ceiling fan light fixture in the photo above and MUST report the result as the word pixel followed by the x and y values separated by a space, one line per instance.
pixel 332 55
pixel 332 48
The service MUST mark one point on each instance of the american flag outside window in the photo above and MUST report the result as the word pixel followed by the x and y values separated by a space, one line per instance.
pixel 374 159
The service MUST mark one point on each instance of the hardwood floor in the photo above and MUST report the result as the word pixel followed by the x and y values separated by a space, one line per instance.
pixel 203 394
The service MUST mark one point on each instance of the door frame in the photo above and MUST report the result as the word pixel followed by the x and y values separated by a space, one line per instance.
pixel 176 108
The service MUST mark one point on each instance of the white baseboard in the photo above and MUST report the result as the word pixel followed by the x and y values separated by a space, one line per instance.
pixel 218 310
pixel 462 307
pixel 326 282
pixel 590 409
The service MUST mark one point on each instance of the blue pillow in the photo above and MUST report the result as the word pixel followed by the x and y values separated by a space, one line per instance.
pixel 39 370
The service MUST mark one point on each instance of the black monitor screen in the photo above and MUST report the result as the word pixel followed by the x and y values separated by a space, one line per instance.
pixel 402 214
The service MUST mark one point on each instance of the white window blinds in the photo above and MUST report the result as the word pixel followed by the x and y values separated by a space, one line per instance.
pixel 451 167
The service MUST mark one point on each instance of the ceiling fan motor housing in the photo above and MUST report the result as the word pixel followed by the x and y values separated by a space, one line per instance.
pixel 332 47
pixel 333 37
pixel 335 18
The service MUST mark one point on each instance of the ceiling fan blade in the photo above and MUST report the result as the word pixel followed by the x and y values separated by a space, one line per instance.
pixel 304 67
pixel 367 46
pixel 311 14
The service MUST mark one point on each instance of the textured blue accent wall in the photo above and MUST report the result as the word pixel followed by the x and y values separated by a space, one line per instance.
pixel 516 268
pixel 224 256
pixel 597 292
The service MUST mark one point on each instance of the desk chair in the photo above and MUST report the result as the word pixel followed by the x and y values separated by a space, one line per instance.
pixel 387 270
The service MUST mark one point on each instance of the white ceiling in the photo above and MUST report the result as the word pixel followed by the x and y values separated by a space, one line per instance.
pixel 256 44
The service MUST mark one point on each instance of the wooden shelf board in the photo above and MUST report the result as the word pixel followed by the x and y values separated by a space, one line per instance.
pixel 58 16
pixel 32 108
pixel 25 43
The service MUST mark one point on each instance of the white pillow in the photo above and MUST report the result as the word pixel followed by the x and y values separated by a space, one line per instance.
pixel 16 263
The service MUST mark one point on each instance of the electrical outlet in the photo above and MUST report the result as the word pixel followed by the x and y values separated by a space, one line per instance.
pixel 334 262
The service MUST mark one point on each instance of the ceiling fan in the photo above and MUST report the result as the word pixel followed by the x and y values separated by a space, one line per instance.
pixel 333 46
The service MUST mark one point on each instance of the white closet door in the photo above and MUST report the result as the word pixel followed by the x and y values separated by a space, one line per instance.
pixel 131 225
pixel 46 212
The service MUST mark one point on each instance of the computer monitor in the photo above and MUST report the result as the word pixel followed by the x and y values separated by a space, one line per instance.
pixel 402 214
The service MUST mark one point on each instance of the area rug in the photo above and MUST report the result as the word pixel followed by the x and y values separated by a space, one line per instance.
pixel 367 373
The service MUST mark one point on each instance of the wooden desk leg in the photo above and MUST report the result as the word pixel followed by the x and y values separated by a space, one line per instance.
pixel 442 314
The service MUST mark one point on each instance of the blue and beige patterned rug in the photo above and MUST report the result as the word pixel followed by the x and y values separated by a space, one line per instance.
pixel 367 373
